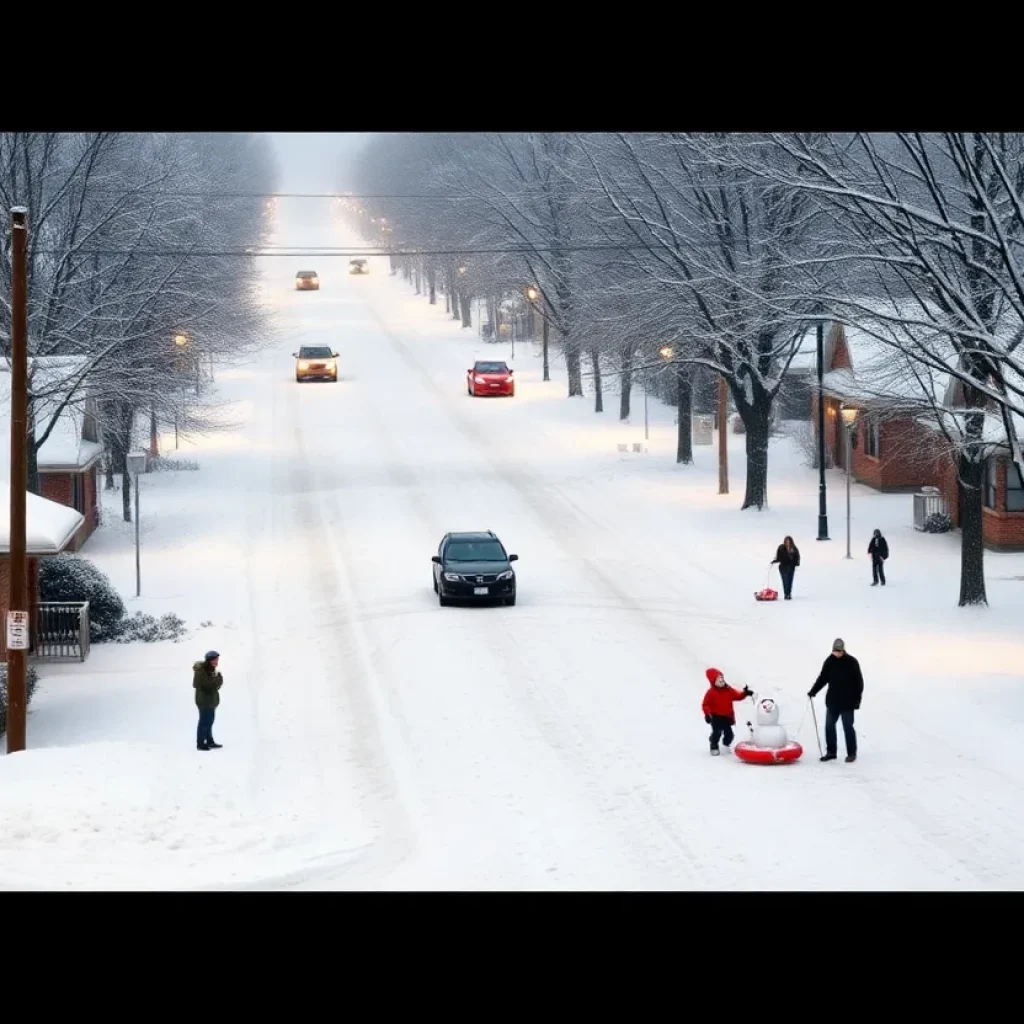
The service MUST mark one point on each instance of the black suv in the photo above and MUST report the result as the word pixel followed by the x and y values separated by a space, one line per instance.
pixel 473 567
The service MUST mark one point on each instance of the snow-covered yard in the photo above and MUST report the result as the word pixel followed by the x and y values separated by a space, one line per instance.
pixel 375 740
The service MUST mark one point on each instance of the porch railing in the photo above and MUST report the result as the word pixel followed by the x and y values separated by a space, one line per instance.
pixel 61 631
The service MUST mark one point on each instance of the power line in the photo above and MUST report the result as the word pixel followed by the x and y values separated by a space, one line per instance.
pixel 211 194
pixel 367 251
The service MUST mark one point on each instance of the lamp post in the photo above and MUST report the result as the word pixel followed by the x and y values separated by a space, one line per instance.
pixel 137 464
pixel 849 420
pixel 666 353
pixel 822 507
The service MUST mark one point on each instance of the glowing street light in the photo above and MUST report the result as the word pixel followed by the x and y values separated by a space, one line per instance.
pixel 462 269
pixel 180 340
pixel 849 420
pixel 532 293
pixel 665 352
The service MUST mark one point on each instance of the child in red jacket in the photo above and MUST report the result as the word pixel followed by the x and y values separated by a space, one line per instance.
pixel 718 708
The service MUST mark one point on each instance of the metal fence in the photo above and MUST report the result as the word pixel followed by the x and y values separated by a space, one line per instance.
pixel 927 501
pixel 62 631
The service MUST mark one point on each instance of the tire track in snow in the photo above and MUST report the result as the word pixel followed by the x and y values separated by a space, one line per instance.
pixel 643 831
pixel 564 728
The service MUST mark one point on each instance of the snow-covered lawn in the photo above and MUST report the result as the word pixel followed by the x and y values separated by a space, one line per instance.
pixel 375 740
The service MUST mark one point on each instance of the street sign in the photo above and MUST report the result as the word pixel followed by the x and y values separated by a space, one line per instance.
pixel 17 631
pixel 703 428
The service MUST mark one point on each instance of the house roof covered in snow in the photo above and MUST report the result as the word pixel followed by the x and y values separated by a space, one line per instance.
pixel 49 526
pixel 52 379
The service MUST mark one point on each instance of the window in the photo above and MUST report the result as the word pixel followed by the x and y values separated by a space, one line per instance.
pixel 872 437
pixel 1014 488
pixel 78 492
pixel 991 469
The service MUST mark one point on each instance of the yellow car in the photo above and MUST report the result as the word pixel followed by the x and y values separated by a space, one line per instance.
pixel 316 362
pixel 306 280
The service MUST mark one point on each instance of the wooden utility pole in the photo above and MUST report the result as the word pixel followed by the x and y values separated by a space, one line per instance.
pixel 723 437
pixel 18 630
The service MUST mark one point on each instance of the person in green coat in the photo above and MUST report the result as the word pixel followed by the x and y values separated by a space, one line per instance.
pixel 207 681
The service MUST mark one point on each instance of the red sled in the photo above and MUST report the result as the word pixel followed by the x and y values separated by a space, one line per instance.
pixel 766 595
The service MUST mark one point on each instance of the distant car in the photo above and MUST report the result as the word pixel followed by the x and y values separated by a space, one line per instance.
pixel 307 281
pixel 316 362
pixel 473 567
pixel 490 378
pixel 358 267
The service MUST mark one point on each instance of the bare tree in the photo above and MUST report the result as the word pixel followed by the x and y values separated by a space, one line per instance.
pixel 935 222
pixel 720 245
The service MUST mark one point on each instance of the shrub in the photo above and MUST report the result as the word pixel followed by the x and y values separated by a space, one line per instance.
pixel 70 578
pixel 147 629
pixel 31 679
pixel 159 464
pixel 938 522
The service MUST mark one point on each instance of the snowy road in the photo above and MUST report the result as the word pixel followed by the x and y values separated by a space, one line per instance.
pixel 552 744
pixel 374 740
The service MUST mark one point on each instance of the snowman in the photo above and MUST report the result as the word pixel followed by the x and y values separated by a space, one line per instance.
pixel 768 732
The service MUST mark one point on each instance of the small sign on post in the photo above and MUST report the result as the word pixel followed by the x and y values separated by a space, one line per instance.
pixel 703 428
pixel 17 631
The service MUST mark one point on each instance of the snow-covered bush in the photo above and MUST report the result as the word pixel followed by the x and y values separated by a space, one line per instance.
pixel 938 522
pixel 805 437
pixel 31 679
pixel 146 629
pixel 67 577
pixel 159 464
pixel 70 578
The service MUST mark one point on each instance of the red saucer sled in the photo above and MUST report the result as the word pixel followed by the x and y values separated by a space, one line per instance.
pixel 768 755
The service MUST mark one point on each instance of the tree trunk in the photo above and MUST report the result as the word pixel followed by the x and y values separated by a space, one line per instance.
pixel 109 472
pixel 684 410
pixel 972 547
pixel 126 495
pixel 625 380
pixel 595 362
pixel 573 365
pixel 432 285
pixel 416 276
pixel 467 309
pixel 154 438
pixel 447 300
pixel 547 369
pixel 756 418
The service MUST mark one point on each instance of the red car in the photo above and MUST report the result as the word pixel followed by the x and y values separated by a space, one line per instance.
pixel 487 378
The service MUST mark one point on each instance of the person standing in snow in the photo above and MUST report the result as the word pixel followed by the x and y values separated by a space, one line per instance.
pixel 878 549
pixel 207 681
pixel 788 558
pixel 841 674
pixel 718 708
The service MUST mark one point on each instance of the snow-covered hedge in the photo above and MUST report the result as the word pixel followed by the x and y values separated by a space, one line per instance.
pixel 31 679
pixel 70 578
pixel 67 577
pixel 938 522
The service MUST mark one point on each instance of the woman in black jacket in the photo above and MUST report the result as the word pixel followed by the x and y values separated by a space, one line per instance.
pixel 878 549
pixel 787 558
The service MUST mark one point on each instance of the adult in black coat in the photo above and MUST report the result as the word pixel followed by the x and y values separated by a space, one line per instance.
pixel 878 549
pixel 787 557
pixel 841 674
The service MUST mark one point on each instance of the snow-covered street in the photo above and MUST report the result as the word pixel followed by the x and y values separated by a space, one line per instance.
pixel 375 740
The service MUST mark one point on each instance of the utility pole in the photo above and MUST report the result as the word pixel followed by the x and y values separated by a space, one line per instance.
pixel 723 438
pixel 18 629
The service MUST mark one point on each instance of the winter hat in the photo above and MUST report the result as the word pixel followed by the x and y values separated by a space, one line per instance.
pixel 713 674
pixel 838 645
pixel 210 655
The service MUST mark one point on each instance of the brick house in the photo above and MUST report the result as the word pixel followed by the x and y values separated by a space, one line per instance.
pixel 892 450
pixel 50 529
pixel 68 460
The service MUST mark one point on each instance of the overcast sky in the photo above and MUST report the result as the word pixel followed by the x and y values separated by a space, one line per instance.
pixel 315 161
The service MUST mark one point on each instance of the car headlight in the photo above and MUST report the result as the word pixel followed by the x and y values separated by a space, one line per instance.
pixel 479 380
pixel 452 577
pixel 507 575
pixel 303 366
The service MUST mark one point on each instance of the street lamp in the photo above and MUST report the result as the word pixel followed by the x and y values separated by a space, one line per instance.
pixel 136 462
pixel 180 340
pixel 822 506
pixel 666 353
pixel 849 420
